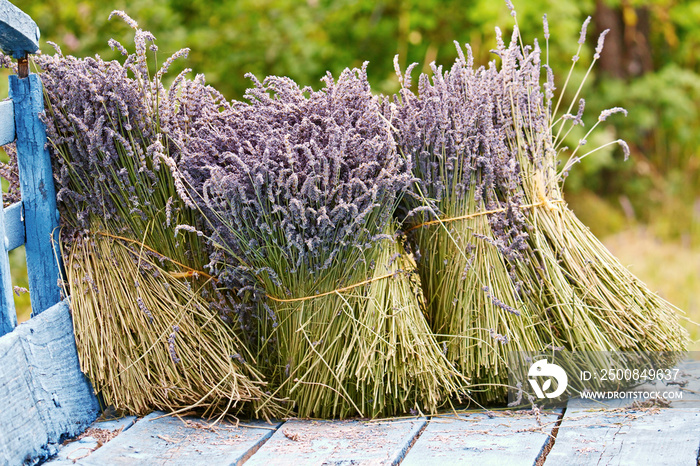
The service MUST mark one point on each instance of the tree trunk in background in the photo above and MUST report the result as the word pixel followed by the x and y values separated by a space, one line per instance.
pixel 611 60
pixel 627 52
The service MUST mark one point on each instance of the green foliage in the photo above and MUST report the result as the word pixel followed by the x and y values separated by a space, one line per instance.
pixel 18 267
pixel 303 39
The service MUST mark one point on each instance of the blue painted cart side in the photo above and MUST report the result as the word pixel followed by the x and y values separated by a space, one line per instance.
pixel 19 34
pixel 8 317
pixel 10 224
pixel 38 192
pixel 12 236
pixel 38 217
pixel 44 397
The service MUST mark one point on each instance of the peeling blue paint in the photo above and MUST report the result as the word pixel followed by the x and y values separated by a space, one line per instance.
pixel 38 192
pixel 8 316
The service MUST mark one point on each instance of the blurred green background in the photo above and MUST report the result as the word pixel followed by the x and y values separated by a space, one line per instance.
pixel 647 210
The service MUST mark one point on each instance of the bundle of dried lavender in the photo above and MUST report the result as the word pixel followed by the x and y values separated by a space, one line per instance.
pixel 456 131
pixel 301 186
pixel 504 264
pixel 629 315
pixel 134 257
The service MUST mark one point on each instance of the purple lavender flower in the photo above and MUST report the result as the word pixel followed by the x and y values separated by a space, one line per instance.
pixel 314 171
pixel 601 42
pixel 126 18
pixel 171 345
pixel 625 148
pixel 144 309
pixel 611 111
pixel 584 27
pixel 456 133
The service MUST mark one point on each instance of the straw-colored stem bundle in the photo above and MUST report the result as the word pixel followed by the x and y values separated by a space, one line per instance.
pixel 502 257
pixel 472 304
pixel 592 289
pixel 363 350
pixel 147 338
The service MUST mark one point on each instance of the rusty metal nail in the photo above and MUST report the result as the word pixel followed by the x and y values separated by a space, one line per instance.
pixel 23 67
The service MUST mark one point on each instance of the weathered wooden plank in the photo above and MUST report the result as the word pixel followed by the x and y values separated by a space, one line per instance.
pixel 8 315
pixel 121 424
pixel 63 394
pixel 44 396
pixel 19 34
pixel 96 436
pixel 169 440
pixel 38 193
pixel 7 122
pixel 24 436
pixel 14 226
pixel 515 438
pixel 624 436
pixel 339 442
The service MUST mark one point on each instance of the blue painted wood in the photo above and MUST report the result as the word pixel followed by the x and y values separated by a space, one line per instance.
pixel 64 396
pixel 92 439
pixel 14 226
pixel 7 122
pixel 38 192
pixel 626 437
pixel 121 424
pixel 175 441
pixel 19 417
pixel 615 432
pixel 19 34
pixel 8 316
pixel 479 438
pixel 339 442
pixel 44 396
pixel 69 454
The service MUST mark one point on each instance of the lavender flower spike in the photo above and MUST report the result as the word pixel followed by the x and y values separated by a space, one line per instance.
pixel 625 148
pixel 188 228
pixel 510 6
pixel 116 45
pixel 582 37
pixel 601 42
pixel 611 111
pixel 171 345
pixel 127 19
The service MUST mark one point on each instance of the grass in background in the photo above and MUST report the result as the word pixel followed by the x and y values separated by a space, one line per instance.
pixel 669 268
pixel 18 268
pixel 664 253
